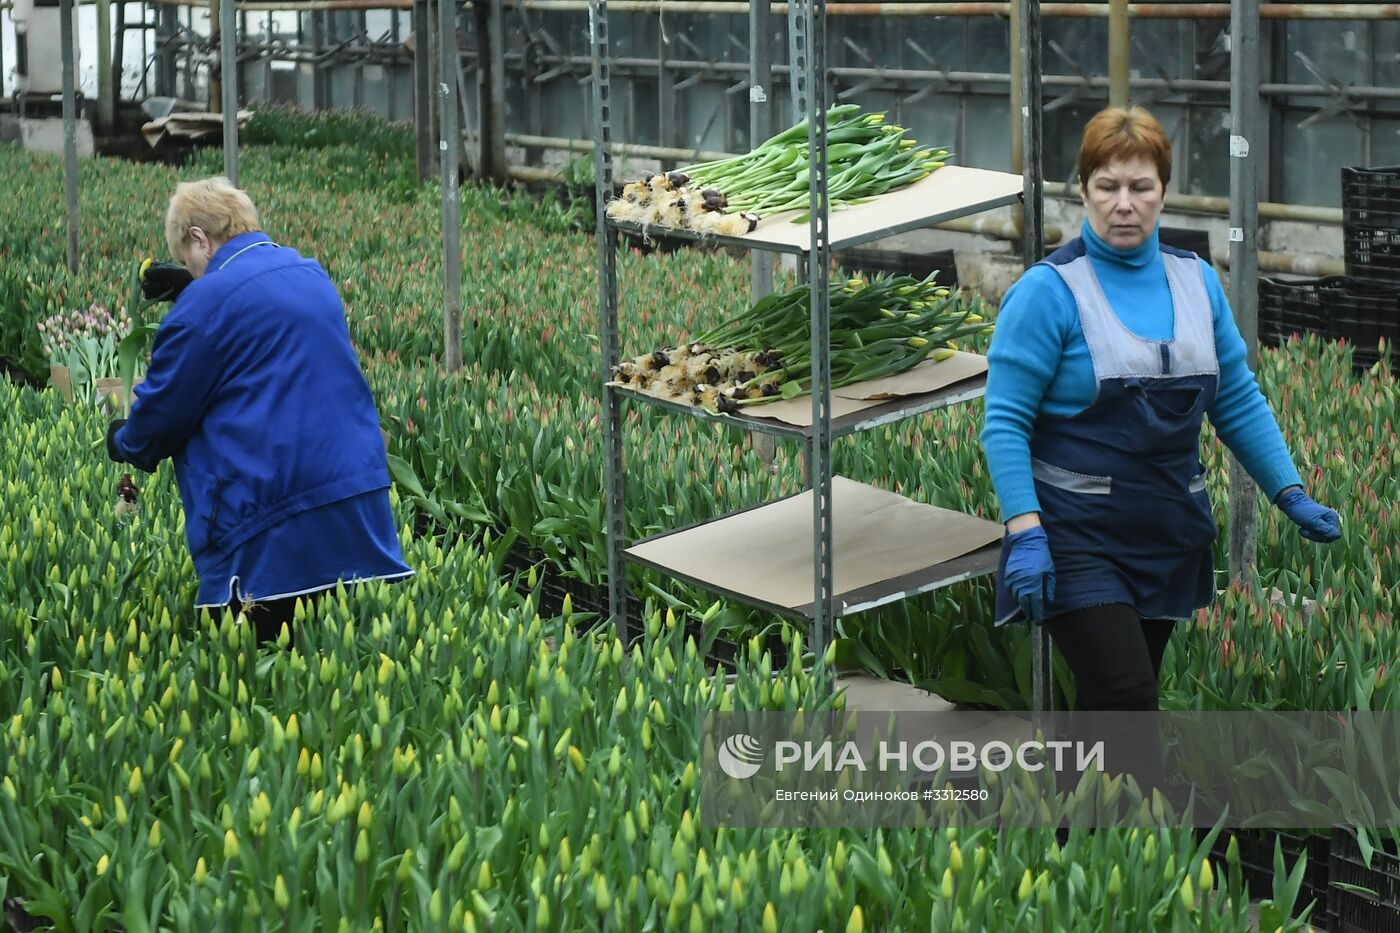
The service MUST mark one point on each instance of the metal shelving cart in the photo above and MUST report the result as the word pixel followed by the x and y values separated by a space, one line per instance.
pixel 841 574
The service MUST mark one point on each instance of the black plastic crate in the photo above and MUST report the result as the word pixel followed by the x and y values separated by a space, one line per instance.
pixel 1371 196
pixel 1256 849
pixel 1371 222
pixel 876 261
pixel 1372 253
pixel 1354 912
pixel 553 585
pixel 1338 307
pixel 1362 313
pixel 1292 307
pixel 1187 238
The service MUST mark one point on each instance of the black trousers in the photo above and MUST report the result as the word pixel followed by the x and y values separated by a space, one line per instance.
pixel 267 617
pixel 1115 654
pixel 1116 658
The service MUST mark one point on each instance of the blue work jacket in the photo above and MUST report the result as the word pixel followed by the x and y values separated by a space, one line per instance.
pixel 255 392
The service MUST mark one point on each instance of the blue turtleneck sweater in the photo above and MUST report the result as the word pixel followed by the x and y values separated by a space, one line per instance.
pixel 1039 364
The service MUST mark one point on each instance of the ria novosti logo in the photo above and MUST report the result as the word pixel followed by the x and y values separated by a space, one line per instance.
pixel 740 756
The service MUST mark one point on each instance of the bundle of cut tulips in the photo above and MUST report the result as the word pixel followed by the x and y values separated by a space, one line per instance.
pixel 866 157
pixel 879 328
pixel 666 201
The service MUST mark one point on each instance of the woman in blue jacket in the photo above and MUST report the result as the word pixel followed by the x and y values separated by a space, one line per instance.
pixel 1106 358
pixel 254 391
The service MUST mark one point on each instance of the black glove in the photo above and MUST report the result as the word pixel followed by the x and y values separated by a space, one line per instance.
pixel 163 281
pixel 112 429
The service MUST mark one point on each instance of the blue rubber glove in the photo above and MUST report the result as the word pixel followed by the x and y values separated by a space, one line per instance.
pixel 1030 573
pixel 1316 522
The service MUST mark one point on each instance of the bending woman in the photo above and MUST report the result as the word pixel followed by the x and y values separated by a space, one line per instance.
pixel 255 393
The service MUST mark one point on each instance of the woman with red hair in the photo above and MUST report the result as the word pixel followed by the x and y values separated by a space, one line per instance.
pixel 1106 358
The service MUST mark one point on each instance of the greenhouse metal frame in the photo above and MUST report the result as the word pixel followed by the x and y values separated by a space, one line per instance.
pixel 807 30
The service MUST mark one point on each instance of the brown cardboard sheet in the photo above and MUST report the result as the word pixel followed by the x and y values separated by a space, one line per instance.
pixel 928 376
pixel 766 553
pixel 192 126
pixel 952 191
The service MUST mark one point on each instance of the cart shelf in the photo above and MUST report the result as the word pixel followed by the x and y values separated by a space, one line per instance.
pixel 951 192
pixel 886 548
pixel 896 409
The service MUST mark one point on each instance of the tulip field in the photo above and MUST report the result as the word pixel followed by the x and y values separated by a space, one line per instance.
pixel 451 753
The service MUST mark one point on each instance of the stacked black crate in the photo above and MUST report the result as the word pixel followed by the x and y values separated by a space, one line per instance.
pixel 1363 306
pixel 1371 232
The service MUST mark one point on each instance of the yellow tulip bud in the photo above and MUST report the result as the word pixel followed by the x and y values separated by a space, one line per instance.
pixel 362 848
pixel 1207 876
pixel 133 787
pixel 102 864
pixel 857 922
pixel 230 845
pixel 153 839
pixel 201 872
pixel 1027 886
pixel 457 855
pixel 279 893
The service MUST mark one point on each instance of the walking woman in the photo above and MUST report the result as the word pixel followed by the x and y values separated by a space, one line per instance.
pixel 1106 357
pixel 255 392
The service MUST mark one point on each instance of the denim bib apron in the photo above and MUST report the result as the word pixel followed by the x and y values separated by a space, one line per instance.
pixel 1121 485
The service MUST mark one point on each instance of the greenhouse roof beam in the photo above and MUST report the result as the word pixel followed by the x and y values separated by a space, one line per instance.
pixel 919 76
pixel 1317 11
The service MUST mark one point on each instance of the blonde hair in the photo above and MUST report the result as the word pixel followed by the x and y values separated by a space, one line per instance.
pixel 212 204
